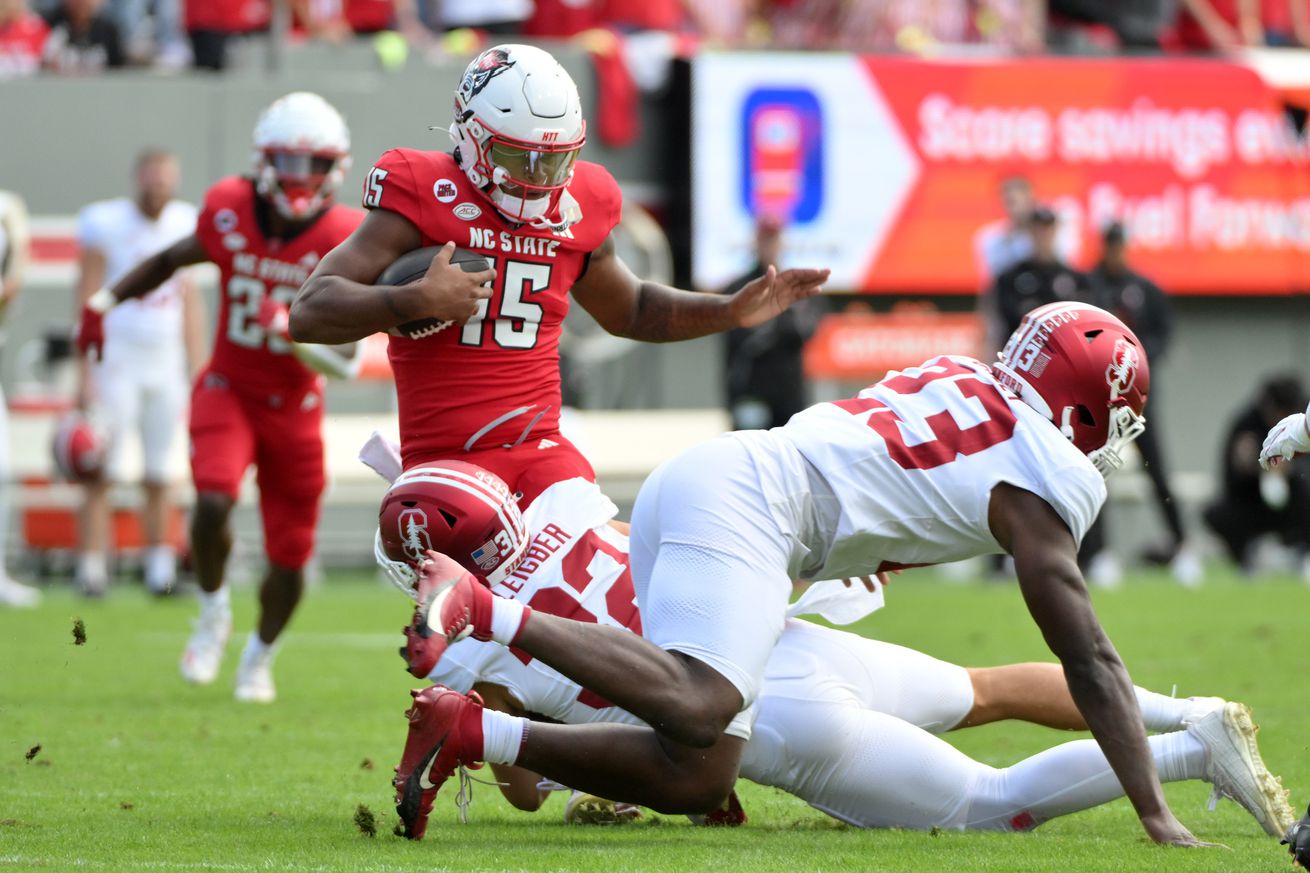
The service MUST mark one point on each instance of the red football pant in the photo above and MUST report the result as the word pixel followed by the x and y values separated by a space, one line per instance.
pixel 528 468
pixel 283 437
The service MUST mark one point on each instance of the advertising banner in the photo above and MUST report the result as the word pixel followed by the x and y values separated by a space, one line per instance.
pixel 887 169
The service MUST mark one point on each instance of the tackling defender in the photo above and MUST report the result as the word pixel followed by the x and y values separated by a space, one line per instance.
pixel 844 722
pixel 930 465
pixel 514 191
pixel 260 399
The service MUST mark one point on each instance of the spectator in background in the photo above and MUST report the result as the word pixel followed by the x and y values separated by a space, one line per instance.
pixel 1286 23
pixel 1038 278
pixel 1000 245
pixel 1216 25
pixel 14 245
pixel 211 25
pixel 83 39
pixel 1255 502
pixel 22 39
pixel 765 380
pixel 1141 305
pixel 335 20
pixel 152 345
pixel 496 17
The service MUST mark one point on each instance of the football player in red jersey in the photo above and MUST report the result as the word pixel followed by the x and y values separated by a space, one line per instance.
pixel 477 368
pixel 260 399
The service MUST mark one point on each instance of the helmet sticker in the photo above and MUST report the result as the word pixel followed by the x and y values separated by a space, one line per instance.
pixel 414 539
pixel 1122 371
pixel 491 64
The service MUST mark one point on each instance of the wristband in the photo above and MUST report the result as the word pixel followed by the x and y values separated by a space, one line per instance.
pixel 102 301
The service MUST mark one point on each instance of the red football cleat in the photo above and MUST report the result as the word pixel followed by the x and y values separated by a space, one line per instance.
pixel 730 815
pixel 445 732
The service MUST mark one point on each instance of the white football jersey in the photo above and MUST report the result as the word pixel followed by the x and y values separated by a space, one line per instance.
pixel 118 229
pixel 575 567
pixel 901 475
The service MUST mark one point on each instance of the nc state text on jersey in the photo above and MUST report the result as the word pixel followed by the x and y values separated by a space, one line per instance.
pixel 532 246
pixel 270 269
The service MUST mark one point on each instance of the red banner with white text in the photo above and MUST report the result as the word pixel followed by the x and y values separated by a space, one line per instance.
pixel 887 169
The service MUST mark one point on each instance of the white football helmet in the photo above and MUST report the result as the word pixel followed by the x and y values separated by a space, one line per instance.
pixel 518 129
pixel 301 154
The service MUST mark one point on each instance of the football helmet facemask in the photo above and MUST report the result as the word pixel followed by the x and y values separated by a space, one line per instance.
pixel 1084 370
pixel 517 131
pixel 456 508
pixel 301 154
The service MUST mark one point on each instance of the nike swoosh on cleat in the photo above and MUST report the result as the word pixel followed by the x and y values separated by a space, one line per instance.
pixel 423 781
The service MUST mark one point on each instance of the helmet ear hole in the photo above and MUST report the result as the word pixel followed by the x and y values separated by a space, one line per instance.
pixel 449 518
pixel 1092 334
pixel 1085 417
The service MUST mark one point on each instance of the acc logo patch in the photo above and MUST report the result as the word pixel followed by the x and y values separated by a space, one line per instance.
pixel 414 539
pixel 1122 371
pixel 225 220
pixel 444 190
pixel 467 211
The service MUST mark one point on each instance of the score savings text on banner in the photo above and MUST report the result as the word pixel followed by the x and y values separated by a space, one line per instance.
pixel 888 168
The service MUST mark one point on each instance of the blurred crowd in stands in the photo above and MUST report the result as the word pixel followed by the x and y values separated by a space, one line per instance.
pixel 86 36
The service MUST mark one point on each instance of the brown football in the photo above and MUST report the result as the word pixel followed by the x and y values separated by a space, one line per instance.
pixel 410 267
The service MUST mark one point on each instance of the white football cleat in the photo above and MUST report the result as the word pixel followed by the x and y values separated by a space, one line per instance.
pixel 17 594
pixel 255 676
pixel 204 651
pixel 589 809
pixel 1234 767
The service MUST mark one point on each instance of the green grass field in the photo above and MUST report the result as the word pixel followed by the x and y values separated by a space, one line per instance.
pixel 138 771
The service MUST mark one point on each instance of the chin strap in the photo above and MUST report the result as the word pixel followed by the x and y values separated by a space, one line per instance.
pixel 1125 426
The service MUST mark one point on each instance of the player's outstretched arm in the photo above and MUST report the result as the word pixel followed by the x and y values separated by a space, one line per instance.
pixel 139 281
pixel 626 306
pixel 340 304
pixel 1045 559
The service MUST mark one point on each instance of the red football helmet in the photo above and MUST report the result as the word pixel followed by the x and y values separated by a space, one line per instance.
pixel 1084 370
pixel 458 509
pixel 78 449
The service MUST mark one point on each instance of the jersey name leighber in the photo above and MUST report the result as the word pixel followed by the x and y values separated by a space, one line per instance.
pixel 500 381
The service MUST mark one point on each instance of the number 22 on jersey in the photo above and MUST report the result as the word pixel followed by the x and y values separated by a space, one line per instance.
pixel 245 295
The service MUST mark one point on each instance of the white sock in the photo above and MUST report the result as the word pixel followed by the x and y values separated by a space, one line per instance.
pixel 502 736
pixel 93 567
pixel 161 566
pixel 506 619
pixel 214 600
pixel 1161 713
pixel 1178 756
pixel 257 648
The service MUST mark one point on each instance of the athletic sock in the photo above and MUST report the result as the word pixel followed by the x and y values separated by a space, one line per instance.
pixel 92 568
pixel 257 648
pixel 1161 713
pixel 502 736
pixel 160 567
pixel 210 600
pixel 1178 756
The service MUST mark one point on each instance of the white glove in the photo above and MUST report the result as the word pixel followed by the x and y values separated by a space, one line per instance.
pixel 1287 438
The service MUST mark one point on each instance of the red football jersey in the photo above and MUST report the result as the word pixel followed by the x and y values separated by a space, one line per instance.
pixel 495 379
pixel 252 266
